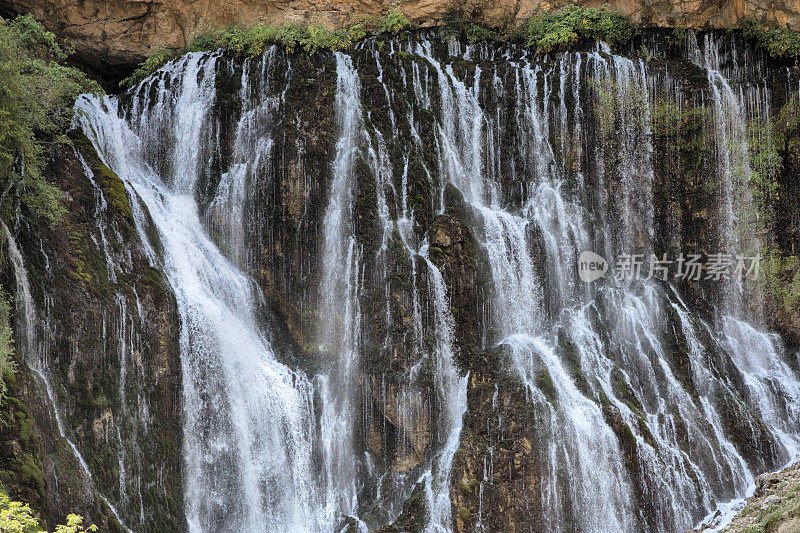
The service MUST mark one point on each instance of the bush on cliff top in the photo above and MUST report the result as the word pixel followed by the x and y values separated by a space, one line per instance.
pixel 455 27
pixel 780 43
pixel 546 32
pixel 558 30
pixel 37 94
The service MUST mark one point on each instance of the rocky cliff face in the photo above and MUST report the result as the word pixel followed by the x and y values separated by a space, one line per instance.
pixel 774 505
pixel 468 178
pixel 97 415
pixel 109 35
pixel 410 137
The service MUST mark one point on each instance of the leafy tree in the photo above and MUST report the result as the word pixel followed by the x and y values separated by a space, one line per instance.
pixel 37 94
pixel 16 517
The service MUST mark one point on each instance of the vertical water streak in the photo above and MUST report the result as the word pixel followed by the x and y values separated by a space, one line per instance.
pixel 452 391
pixel 340 314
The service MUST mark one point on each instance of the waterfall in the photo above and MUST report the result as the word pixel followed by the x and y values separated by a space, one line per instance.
pixel 248 419
pixel 646 412
pixel 580 440
pixel 339 294
pixel 577 435
pixel 734 170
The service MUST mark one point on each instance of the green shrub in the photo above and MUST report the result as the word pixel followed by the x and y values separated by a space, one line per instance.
pixel 37 95
pixel 395 22
pixel 235 38
pixel 202 39
pixel 560 30
pixel 456 28
pixel 780 43
pixel 148 66
pixel 262 37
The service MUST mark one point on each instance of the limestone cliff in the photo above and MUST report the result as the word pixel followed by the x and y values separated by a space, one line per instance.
pixel 109 35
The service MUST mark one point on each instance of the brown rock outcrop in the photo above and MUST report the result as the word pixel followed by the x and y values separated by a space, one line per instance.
pixel 113 34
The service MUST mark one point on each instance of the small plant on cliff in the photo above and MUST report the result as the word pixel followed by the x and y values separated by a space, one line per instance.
pixel 781 278
pixel 254 41
pixel 767 143
pixel 780 43
pixel 37 94
pixel 395 22
pixel 455 27
pixel 148 66
pixel 559 30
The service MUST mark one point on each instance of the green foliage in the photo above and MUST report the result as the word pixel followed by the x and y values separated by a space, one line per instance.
pixel 765 164
pixel 37 95
pixel 202 39
pixel 255 40
pixel 560 30
pixel 607 104
pixel 666 117
pixel 148 66
pixel 766 142
pixel 780 43
pixel 787 124
pixel 395 22
pixel 678 35
pixel 455 27
pixel 779 516
pixel 17 517
pixel 74 525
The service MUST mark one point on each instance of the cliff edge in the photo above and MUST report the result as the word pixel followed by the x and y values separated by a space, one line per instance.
pixel 110 35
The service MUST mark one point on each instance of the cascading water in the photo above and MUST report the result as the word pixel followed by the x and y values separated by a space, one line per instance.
pixel 248 418
pixel 603 495
pixel 340 309
pixel 452 389
pixel 635 424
